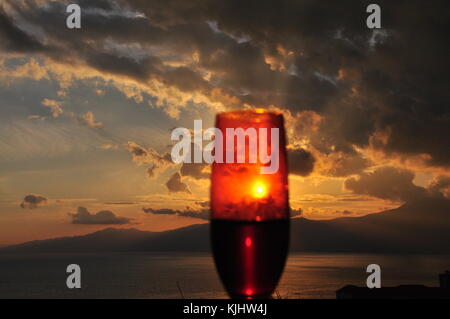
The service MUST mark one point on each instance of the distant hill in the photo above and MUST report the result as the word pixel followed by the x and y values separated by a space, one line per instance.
pixel 418 227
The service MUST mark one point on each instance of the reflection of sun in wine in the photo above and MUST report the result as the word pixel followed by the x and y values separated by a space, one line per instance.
pixel 259 190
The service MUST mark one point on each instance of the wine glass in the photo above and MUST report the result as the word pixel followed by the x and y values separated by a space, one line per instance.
pixel 249 202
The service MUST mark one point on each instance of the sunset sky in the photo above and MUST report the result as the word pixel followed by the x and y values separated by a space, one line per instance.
pixel 86 114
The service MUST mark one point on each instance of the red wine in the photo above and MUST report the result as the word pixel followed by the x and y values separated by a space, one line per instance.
pixel 250 256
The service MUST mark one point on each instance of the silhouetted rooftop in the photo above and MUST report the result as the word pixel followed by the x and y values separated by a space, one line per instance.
pixel 398 292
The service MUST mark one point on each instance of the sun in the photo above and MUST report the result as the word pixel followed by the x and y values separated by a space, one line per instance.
pixel 259 189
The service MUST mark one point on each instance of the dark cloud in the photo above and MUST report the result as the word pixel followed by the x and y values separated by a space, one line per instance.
pixel 103 217
pixel 106 5
pixel 14 39
pixel 201 211
pixel 120 203
pixel 188 212
pixel 387 183
pixel 296 212
pixel 203 204
pixel 385 89
pixel 89 48
pixel 162 211
pixel 301 162
pixel 195 170
pixel 340 164
pixel 151 171
pixel 136 150
pixel 355 199
pixel 360 86
pixel 344 212
pixel 120 65
pixel 175 185
pixel 142 155
pixel 33 201
pixel 440 186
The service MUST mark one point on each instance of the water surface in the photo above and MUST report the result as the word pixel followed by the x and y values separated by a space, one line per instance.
pixel 155 275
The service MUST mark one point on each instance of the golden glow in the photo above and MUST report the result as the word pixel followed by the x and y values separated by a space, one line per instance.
pixel 259 190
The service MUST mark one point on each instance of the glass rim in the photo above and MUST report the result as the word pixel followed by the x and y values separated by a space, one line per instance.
pixel 244 113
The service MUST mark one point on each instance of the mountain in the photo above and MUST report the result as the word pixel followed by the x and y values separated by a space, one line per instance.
pixel 417 227
pixel 109 239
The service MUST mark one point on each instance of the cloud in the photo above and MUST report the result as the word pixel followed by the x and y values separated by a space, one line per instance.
pixel 88 119
pixel 188 212
pixel 32 69
pixel 173 86
pixel 151 171
pixel 203 204
pixel 200 210
pixel 55 107
pixel 109 146
pixel 103 217
pixel 36 117
pixel 143 156
pixel 387 183
pixel 301 162
pixel 296 212
pixel 440 186
pixel 33 201
pixel 175 185
pixel 354 88
pixel 341 164
pixel 138 152
pixel 344 212
pixel 13 39
pixel 195 170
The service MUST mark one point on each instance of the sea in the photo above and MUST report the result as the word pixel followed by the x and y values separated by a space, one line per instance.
pixel 193 275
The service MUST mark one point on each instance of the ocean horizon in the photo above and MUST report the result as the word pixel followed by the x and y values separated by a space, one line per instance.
pixel 193 275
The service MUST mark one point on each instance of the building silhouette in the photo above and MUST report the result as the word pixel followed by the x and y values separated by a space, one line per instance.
pixel 399 292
